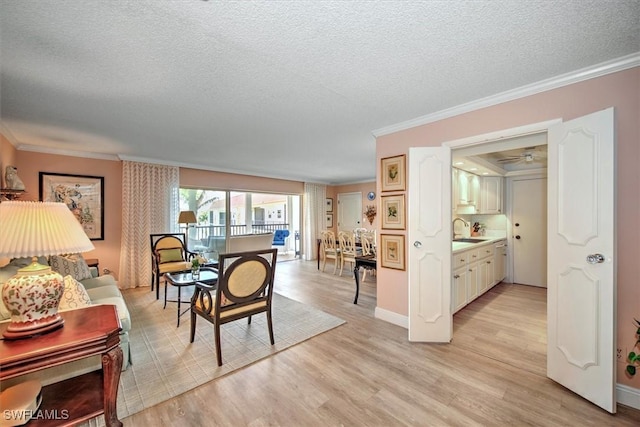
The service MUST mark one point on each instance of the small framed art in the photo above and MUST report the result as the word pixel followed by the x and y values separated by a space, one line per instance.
pixel 329 220
pixel 393 212
pixel 392 251
pixel 393 173
pixel 328 204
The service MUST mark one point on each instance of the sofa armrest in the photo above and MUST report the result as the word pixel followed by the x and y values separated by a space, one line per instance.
pixel 95 282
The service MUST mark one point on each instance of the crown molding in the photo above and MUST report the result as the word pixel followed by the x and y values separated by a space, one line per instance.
pixel 209 168
pixel 598 70
pixel 84 154
pixel 4 130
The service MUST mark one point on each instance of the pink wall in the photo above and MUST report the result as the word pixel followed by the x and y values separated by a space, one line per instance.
pixel 30 164
pixel 364 188
pixel 197 178
pixel 7 157
pixel 620 90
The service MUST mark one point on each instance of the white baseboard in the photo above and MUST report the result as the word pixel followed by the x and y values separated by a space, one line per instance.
pixel 628 396
pixel 391 317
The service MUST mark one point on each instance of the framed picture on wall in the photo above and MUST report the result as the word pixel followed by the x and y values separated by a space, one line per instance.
pixel 83 195
pixel 393 212
pixel 392 251
pixel 329 220
pixel 328 204
pixel 393 173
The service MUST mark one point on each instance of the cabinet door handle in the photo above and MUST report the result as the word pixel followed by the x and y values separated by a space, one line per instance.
pixel 488 262
pixel 456 276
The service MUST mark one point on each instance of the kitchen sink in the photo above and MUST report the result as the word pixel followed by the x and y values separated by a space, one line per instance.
pixel 465 240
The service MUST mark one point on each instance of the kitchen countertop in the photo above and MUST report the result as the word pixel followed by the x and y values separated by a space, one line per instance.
pixel 461 246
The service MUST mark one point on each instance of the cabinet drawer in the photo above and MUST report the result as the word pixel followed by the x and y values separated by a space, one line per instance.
pixel 485 251
pixel 460 260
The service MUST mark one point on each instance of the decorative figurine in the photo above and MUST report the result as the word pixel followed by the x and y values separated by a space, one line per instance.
pixel 12 180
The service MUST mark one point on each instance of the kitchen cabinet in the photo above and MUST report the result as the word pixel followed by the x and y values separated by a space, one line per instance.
pixel 486 272
pixel 500 260
pixel 459 286
pixel 491 195
pixel 474 273
pixel 466 188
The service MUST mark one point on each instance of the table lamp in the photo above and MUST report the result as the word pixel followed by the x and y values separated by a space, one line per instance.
pixel 33 229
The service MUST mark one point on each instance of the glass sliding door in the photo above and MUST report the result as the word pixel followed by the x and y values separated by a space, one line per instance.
pixel 208 236
pixel 223 214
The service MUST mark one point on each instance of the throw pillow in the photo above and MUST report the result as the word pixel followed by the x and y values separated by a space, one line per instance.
pixel 74 295
pixel 170 255
pixel 70 265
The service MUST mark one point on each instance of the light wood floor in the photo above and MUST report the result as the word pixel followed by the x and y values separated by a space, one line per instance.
pixel 366 373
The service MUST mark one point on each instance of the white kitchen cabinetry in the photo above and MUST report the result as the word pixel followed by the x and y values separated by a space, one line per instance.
pixel 491 199
pixel 465 191
pixel 459 284
pixel 486 272
pixel 474 273
pixel 500 260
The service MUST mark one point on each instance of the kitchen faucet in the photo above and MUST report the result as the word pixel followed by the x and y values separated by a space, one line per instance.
pixel 453 225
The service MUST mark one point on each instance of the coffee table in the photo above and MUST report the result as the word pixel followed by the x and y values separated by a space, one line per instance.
pixel 208 276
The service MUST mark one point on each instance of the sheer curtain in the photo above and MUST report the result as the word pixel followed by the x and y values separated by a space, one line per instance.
pixel 150 203
pixel 314 210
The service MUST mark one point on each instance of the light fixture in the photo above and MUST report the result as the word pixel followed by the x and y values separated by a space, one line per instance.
pixel 187 217
pixel 33 294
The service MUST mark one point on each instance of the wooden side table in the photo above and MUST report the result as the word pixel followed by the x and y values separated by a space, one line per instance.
pixel 86 332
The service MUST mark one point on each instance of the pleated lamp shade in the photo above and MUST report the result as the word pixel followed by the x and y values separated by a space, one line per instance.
pixel 33 229
pixel 187 217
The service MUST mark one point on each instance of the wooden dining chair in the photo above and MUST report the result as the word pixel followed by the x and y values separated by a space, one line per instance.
pixel 244 288
pixel 348 251
pixel 330 249
pixel 367 239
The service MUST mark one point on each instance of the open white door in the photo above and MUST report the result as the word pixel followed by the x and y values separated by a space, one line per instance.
pixel 581 296
pixel 429 244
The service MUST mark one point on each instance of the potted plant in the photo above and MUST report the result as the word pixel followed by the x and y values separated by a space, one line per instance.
pixel 634 358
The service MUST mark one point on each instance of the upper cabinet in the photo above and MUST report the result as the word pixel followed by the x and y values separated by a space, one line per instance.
pixel 491 195
pixel 466 188
pixel 472 194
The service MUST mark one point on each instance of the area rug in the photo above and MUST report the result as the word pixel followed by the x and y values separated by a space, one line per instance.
pixel 166 364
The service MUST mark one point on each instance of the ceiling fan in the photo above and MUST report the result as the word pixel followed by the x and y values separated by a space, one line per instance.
pixel 528 155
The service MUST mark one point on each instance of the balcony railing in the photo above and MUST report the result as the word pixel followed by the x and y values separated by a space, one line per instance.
pixel 202 232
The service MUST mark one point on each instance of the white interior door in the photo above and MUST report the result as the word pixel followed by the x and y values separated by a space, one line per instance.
pixel 349 211
pixel 429 244
pixel 529 231
pixel 581 285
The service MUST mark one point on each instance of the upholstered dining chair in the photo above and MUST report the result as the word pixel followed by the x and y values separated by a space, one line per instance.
pixel 330 249
pixel 169 254
pixel 244 288
pixel 348 251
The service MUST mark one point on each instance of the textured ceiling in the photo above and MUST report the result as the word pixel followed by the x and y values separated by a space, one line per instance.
pixel 277 88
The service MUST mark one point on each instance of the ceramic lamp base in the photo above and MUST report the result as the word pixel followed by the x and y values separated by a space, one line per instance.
pixel 16 331
pixel 32 297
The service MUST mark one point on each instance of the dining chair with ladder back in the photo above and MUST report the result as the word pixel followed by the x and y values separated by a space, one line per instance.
pixel 330 249
pixel 367 239
pixel 348 250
